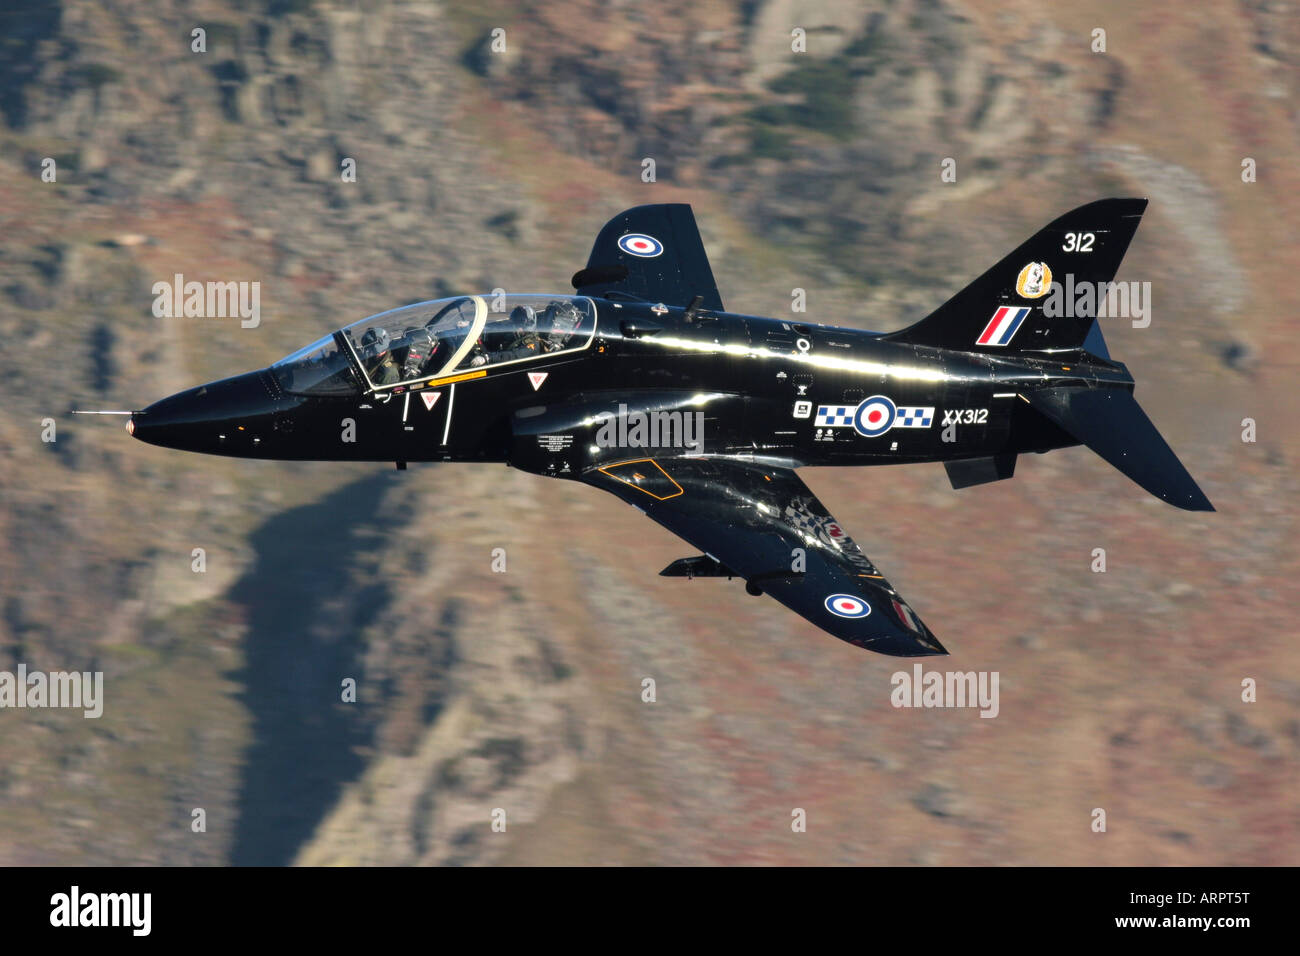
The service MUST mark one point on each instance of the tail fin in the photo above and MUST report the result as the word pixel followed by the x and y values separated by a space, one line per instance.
pixel 1002 311
pixel 1111 423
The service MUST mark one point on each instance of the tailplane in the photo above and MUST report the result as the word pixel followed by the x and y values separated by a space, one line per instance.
pixel 1111 423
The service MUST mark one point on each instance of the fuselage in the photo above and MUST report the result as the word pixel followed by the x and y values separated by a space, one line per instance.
pixel 776 390
pixel 643 385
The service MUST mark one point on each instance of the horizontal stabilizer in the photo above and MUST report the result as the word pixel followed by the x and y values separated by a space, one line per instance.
pixel 1111 423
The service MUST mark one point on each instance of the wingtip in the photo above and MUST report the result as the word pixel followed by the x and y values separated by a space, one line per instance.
pixel 916 646
pixel 932 645
pixel 913 652
pixel 1195 502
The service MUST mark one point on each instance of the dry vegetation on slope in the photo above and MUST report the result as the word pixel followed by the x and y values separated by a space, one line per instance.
pixel 522 690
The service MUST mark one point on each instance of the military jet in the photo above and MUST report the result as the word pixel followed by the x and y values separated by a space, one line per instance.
pixel 641 383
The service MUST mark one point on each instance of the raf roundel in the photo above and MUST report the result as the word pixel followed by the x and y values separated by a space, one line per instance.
pixel 874 416
pixel 639 244
pixel 846 605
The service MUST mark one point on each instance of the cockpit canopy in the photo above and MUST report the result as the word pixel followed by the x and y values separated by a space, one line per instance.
pixel 433 339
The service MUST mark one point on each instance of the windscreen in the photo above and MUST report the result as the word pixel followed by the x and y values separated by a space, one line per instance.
pixel 319 369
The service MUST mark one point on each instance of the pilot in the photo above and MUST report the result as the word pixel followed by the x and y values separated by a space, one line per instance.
pixel 377 357
pixel 526 342
pixel 453 340
pixel 477 355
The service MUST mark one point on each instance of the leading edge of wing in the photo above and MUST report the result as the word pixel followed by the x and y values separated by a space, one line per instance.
pixel 751 518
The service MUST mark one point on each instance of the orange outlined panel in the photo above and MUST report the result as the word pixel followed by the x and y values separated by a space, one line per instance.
pixel 641 481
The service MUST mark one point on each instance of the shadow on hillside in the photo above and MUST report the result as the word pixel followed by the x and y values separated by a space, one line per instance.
pixel 305 616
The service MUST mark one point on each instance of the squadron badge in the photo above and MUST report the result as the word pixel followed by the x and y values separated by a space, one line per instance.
pixel 1034 280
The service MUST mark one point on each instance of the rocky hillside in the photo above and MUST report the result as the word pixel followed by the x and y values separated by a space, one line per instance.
pixel 479 167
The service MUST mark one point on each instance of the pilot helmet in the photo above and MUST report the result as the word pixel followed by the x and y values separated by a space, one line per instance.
pixel 524 317
pixel 375 341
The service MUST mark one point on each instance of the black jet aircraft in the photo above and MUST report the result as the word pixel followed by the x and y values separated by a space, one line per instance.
pixel 641 383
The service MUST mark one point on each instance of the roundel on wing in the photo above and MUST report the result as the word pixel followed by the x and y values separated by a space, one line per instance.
pixel 639 244
pixel 846 605
pixel 875 416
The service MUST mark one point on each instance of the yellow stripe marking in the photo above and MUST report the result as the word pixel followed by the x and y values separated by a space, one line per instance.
pixel 456 378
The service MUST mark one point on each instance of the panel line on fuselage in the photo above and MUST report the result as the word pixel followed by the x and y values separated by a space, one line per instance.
pixel 815 360
pixel 451 401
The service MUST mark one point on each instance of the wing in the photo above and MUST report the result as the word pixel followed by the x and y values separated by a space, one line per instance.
pixel 653 253
pixel 748 519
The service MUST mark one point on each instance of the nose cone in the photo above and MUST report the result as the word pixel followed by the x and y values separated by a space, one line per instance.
pixel 229 417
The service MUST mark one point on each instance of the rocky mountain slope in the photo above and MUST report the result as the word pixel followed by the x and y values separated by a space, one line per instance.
pixel 521 691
